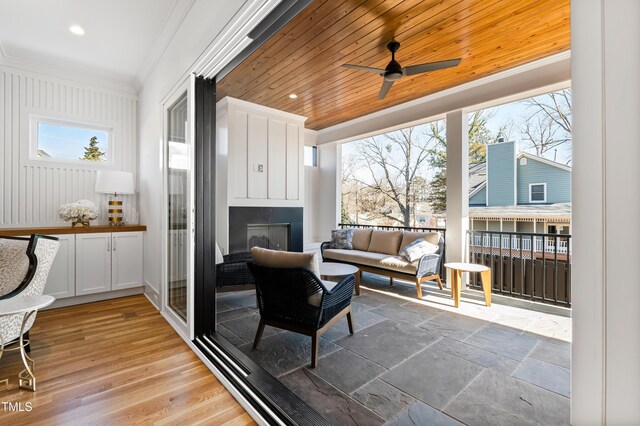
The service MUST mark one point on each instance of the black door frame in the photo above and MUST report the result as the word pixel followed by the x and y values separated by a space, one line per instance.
pixel 267 395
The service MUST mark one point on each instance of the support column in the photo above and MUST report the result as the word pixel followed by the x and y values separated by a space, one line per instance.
pixel 457 185
pixel 606 204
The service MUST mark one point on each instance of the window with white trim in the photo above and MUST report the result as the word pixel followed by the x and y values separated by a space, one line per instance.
pixel 538 193
pixel 69 142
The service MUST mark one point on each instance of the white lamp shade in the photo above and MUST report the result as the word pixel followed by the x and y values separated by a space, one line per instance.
pixel 114 182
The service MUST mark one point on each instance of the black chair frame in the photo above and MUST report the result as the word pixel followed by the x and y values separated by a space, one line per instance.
pixel 283 301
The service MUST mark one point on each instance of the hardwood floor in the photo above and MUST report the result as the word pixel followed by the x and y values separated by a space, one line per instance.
pixel 114 362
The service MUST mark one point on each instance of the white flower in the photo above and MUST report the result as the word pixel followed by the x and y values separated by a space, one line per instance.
pixel 80 211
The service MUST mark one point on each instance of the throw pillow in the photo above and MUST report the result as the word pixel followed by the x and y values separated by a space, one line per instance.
pixel 342 239
pixel 417 249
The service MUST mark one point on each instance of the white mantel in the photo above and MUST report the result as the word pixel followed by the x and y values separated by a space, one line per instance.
pixel 260 159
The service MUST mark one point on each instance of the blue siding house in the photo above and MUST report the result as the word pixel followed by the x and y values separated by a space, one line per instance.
pixel 519 192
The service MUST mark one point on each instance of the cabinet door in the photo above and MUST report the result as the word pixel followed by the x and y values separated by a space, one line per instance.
pixel 61 281
pixel 126 257
pixel 93 263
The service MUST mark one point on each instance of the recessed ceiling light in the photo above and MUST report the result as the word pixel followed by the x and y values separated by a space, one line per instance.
pixel 293 96
pixel 76 29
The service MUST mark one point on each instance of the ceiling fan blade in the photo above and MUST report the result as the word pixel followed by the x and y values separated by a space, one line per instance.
pixel 431 66
pixel 384 89
pixel 368 69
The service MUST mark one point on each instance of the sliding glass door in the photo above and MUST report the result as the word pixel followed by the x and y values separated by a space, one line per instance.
pixel 179 209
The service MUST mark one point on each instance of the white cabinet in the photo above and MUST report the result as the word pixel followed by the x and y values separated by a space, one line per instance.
pixel 126 260
pixel 107 261
pixel 61 281
pixel 93 263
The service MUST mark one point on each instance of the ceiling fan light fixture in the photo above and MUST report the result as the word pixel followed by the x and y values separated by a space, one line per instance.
pixel 393 76
pixel 77 30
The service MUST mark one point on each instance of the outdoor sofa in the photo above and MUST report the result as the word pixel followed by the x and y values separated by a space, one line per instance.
pixel 377 252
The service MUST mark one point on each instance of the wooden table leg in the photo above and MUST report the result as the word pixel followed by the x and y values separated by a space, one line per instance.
pixel 486 285
pixel 358 277
pixel 454 284
pixel 458 287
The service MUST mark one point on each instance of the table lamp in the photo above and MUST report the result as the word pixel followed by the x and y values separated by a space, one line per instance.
pixel 114 183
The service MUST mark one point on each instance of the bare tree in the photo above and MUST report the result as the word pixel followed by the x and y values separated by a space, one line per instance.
pixel 548 125
pixel 540 132
pixel 556 106
pixel 392 162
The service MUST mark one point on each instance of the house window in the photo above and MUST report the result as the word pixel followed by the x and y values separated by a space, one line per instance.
pixel 311 156
pixel 70 142
pixel 538 193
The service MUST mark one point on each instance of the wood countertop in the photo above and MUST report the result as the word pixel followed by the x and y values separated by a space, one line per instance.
pixel 58 230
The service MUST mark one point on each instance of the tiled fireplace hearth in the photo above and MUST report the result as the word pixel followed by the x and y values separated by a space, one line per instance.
pixel 277 228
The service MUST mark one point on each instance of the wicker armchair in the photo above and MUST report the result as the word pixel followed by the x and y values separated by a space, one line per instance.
pixel 24 267
pixel 295 299
pixel 233 273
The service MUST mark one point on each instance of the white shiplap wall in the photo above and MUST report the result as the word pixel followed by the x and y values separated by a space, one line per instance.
pixel 31 192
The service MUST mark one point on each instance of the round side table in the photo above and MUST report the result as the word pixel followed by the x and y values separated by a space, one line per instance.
pixel 27 306
pixel 334 269
pixel 457 268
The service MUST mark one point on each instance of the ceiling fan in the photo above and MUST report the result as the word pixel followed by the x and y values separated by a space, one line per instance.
pixel 394 71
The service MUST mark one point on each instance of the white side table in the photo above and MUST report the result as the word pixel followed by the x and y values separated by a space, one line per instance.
pixel 28 306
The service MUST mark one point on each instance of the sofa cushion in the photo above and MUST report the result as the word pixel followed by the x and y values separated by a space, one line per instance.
pixel 387 242
pixel 417 249
pixel 409 237
pixel 361 239
pixel 285 259
pixel 375 260
pixel 342 239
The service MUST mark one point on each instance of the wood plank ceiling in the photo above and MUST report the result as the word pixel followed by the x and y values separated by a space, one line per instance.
pixel 307 55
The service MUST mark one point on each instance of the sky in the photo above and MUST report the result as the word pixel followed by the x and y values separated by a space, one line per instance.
pixel 502 114
pixel 67 142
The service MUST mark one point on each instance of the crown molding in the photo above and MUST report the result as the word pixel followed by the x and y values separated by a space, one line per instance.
pixel 170 27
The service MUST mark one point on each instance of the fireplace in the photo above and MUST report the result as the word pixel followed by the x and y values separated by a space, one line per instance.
pixel 274 236
pixel 276 228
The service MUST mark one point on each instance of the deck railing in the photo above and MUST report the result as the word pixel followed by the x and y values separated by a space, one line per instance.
pixel 524 265
pixel 516 242
pixel 441 231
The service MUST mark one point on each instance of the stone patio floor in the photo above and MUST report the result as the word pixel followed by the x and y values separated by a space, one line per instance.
pixel 418 362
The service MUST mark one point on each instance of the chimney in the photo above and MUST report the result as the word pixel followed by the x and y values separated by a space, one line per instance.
pixel 501 174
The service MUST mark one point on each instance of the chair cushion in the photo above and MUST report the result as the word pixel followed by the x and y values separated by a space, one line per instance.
pixel 409 237
pixel 361 239
pixel 387 242
pixel 285 259
pixel 14 264
pixel 417 249
pixel 316 298
pixel 342 239
pixel 375 260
